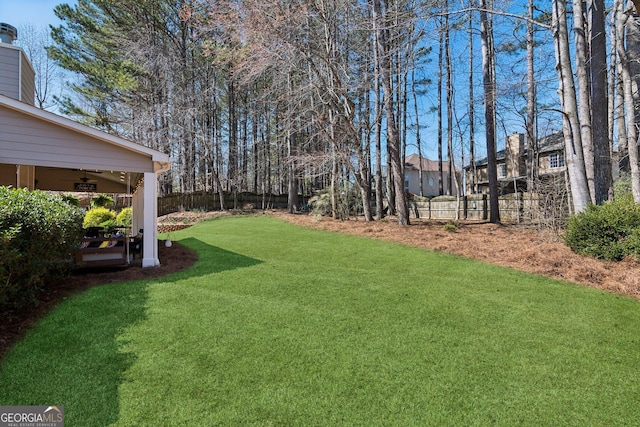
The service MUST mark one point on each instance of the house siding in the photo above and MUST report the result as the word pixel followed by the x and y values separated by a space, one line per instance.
pixel 430 174
pixel 514 157
pixel 482 176
pixel 29 141
pixel 544 165
pixel 9 71
pixel 27 81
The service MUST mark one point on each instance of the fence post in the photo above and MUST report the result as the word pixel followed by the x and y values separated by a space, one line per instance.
pixel 465 207
pixel 485 208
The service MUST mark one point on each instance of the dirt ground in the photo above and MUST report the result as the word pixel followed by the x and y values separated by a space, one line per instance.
pixel 507 245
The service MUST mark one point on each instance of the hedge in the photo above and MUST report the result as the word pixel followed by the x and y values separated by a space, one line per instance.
pixel 38 235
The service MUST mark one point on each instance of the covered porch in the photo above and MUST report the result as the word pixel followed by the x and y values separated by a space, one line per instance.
pixel 44 151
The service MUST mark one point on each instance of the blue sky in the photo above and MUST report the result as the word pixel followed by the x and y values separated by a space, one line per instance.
pixel 38 13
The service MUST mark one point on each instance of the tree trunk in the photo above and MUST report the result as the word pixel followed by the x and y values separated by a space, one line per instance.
pixel 570 122
pixel 584 92
pixel 393 137
pixel 378 138
pixel 630 75
pixel 439 95
pixel 603 181
pixel 418 139
pixel 232 166
pixel 472 108
pixel 532 163
pixel 619 20
pixel 451 175
pixel 489 83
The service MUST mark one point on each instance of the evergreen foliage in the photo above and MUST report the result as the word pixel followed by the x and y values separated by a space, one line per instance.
pixel 99 217
pixel 38 235
pixel 125 217
pixel 610 231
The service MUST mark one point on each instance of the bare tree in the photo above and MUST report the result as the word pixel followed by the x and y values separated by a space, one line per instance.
pixel 628 50
pixel 49 77
pixel 583 73
pixel 393 136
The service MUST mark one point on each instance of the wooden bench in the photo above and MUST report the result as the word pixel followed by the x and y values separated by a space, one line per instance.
pixel 102 251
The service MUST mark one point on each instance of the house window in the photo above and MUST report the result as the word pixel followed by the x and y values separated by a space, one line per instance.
pixel 502 170
pixel 556 161
pixel 406 183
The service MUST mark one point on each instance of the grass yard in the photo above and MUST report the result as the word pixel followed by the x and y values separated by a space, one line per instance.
pixel 280 325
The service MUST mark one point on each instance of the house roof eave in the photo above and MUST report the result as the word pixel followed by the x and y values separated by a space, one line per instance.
pixel 47 116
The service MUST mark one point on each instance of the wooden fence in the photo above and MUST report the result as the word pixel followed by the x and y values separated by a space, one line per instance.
pixel 211 202
pixel 516 207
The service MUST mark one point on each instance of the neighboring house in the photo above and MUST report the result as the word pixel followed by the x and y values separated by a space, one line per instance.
pixel 430 177
pixel 512 164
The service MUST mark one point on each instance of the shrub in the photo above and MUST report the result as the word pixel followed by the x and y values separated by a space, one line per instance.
pixel 622 187
pixel 451 226
pixel 38 235
pixel 348 202
pixel 99 217
pixel 610 231
pixel 125 217
pixel 321 203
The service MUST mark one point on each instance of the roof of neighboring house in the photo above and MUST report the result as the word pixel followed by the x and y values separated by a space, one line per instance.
pixel 413 162
pixel 546 144
pixel 549 143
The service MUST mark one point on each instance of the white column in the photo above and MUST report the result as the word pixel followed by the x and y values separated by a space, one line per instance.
pixel 137 222
pixel 150 237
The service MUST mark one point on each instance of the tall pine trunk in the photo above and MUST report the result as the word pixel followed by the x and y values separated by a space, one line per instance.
pixel 603 181
pixel 532 155
pixel 472 108
pixel 489 83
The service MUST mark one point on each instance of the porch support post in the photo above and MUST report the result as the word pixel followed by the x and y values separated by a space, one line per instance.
pixel 150 236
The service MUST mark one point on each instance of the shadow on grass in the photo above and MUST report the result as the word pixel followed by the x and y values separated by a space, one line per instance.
pixel 74 357
pixel 211 260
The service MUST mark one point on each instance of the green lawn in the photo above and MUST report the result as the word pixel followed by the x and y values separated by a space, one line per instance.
pixel 279 325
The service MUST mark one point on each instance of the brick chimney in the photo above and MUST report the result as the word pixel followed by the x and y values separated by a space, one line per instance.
pixel 514 153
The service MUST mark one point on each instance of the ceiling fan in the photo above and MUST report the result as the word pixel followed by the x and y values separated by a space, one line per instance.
pixel 86 179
